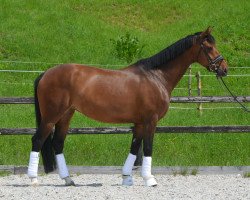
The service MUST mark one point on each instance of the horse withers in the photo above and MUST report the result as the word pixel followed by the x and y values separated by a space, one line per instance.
pixel 138 94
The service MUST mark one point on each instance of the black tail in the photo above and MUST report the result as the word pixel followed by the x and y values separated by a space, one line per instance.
pixel 47 150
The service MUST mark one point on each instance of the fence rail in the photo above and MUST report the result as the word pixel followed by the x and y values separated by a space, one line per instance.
pixel 126 130
pixel 190 99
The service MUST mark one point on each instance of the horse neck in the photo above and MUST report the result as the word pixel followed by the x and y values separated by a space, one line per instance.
pixel 170 74
pixel 175 69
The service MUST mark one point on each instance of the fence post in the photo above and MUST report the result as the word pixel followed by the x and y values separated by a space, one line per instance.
pixel 190 81
pixel 198 76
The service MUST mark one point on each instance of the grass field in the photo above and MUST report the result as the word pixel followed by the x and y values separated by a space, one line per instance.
pixel 169 150
pixel 35 35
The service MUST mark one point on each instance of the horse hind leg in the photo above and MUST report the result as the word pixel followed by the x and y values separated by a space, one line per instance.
pixel 129 163
pixel 43 132
pixel 61 129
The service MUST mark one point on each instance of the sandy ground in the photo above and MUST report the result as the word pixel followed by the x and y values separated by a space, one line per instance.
pixel 109 187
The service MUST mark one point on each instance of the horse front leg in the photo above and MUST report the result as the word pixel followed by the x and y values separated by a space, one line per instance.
pixel 129 163
pixel 146 174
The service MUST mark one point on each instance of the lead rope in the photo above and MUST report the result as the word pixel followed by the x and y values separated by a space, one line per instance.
pixel 234 97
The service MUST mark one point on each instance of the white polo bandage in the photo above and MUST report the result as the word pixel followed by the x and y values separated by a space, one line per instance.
pixel 62 167
pixel 33 164
pixel 146 167
pixel 129 163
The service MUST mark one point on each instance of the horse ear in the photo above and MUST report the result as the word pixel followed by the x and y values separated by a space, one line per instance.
pixel 205 33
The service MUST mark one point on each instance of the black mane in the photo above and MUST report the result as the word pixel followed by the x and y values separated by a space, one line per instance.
pixel 170 52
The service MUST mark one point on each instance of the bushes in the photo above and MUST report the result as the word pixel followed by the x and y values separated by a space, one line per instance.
pixel 127 47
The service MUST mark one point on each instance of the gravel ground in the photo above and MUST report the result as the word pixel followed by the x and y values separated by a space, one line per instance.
pixel 98 186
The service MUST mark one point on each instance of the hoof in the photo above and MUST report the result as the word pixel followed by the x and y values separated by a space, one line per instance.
pixel 69 182
pixel 150 181
pixel 127 180
pixel 34 182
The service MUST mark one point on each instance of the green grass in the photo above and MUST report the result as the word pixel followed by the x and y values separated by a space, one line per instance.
pixel 80 31
pixel 4 173
pixel 246 175
pixel 169 149
pixel 194 172
pixel 23 116
pixel 185 172
pixel 50 32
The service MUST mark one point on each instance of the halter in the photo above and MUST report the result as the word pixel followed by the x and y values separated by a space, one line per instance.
pixel 213 64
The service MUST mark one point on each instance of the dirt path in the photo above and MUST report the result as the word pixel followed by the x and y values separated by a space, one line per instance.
pixel 98 186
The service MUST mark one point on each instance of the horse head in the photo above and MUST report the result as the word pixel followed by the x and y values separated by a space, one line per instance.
pixel 208 55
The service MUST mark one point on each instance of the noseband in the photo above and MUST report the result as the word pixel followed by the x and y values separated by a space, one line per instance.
pixel 213 64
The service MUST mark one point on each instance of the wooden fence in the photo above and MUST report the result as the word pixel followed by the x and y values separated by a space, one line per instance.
pixel 125 130
pixel 188 99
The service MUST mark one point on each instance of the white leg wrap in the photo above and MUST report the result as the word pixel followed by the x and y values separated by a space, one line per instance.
pixel 128 166
pixel 127 179
pixel 146 166
pixel 146 172
pixel 33 164
pixel 62 167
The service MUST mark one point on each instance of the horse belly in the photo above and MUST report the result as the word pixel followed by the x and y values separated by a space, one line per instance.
pixel 110 102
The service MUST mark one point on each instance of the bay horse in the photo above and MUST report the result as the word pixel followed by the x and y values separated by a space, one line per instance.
pixel 138 94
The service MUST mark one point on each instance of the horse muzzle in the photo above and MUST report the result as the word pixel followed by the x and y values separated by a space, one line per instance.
pixel 221 72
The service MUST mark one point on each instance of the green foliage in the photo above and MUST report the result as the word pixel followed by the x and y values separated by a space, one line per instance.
pixel 194 172
pixel 5 173
pixel 185 172
pixel 246 175
pixel 169 150
pixel 80 31
pixel 127 47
